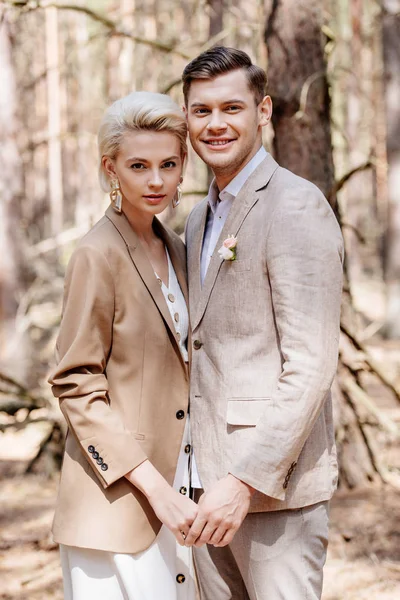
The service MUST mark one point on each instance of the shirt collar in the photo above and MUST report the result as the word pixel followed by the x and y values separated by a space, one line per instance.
pixel 233 188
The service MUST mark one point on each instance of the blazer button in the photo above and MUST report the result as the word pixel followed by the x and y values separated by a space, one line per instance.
pixel 180 414
pixel 180 578
pixel 187 448
pixel 183 490
pixel 95 455
pixel 104 467
pixel 91 449
pixel 99 460
pixel 197 344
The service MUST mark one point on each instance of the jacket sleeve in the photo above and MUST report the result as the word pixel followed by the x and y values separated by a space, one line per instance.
pixel 79 381
pixel 304 252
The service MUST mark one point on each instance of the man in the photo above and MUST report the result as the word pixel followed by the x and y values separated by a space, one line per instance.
pixel 265 309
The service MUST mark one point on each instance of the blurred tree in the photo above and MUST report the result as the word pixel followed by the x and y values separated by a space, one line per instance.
pixel 11 191
pixel 391 48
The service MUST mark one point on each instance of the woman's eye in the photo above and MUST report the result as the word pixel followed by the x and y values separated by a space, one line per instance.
pixel 169 164
pixel 137 166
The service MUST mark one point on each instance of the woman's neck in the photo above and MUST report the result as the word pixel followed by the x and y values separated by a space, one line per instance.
pixel 141 223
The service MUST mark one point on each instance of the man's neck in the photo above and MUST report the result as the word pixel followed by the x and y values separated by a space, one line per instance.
pixel 223 178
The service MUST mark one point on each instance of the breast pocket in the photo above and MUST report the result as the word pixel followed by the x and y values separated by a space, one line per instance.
pixel 239 266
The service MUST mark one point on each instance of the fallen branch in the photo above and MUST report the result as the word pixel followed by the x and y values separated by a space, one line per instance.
pixel 372 364
pixel 349 384
pixel 21 391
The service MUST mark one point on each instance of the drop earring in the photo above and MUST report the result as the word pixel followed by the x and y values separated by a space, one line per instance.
pixel 116 196
pixel 178 196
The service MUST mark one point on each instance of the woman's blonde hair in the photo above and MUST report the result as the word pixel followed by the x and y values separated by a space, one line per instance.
pixel 138 111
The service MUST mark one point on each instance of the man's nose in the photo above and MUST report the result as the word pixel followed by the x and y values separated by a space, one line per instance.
pixel 216 122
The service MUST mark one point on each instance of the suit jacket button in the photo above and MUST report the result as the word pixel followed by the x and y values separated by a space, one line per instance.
pixel 183 490
pixel 180 578
pixel 187 448
pixel 180 414
pixel 197 344
pixel 99 460
pixel 91 449
pixel 104 467
pixel 95 455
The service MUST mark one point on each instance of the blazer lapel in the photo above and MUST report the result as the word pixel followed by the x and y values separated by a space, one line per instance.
pixel 143 265
pixel 241 206
pixel 177 263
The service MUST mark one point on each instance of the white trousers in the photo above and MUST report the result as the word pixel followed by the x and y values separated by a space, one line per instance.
pixel 162 572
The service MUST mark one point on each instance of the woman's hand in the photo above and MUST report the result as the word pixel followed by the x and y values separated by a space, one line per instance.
pixel 175 511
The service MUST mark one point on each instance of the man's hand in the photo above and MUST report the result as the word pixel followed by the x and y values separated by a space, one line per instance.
pixel 221 512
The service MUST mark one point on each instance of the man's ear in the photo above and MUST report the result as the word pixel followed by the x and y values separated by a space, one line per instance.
pixel 109 167
pixel 265 111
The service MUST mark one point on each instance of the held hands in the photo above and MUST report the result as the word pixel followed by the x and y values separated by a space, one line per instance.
pixel 175 511
pixel 221 512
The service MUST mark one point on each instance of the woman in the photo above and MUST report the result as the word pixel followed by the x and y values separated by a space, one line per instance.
pixel 122 377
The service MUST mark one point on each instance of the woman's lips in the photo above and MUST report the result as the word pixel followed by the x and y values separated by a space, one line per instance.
pixel 153 199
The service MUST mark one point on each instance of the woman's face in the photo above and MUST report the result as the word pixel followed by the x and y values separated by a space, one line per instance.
pixel 148 168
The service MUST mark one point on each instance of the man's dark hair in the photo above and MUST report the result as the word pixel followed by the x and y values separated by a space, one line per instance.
pixel 220 60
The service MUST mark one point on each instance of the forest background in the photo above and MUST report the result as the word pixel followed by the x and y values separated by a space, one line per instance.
pixel 334 77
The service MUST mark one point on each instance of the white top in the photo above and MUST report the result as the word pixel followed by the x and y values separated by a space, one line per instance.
pixel 180 317
pixel 220 204
pixel 177 306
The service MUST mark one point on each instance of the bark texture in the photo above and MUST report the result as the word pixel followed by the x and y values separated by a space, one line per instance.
pixel 299 89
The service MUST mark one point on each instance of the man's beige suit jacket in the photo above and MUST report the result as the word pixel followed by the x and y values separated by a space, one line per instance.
pixel 122 385
pixel 265 331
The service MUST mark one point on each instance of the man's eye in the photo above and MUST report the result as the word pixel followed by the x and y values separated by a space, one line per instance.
pixel 233 108
pixel 137 166
pixel 169 164
pixel 201 111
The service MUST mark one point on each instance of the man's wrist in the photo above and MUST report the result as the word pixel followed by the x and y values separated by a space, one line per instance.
pixel 250 489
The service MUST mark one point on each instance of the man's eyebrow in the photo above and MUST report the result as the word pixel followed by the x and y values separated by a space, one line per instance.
pixel 202 104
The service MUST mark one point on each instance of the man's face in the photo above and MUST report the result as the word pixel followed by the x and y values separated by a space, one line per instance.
pixel 225 122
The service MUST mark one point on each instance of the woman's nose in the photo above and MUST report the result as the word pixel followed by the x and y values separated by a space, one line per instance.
pixel 155 180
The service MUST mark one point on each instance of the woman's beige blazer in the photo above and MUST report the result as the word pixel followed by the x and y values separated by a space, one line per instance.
pixel 122 385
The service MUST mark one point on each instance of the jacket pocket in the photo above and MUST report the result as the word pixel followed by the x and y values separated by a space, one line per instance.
pixel 239 266
pixel 245 412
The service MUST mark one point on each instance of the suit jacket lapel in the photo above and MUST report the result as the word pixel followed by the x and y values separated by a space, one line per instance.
pixel 194 257
pixel 241 206
pixel 143 265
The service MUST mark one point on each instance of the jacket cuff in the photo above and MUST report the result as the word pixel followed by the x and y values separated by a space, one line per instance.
pixel 111 465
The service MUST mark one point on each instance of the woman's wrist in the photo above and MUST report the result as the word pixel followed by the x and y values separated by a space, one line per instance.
pixel 147 479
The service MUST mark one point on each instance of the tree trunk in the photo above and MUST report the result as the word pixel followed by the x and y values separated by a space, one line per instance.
pixel 391 54
pixel 299 89
pixel 54 121
pixel 10 198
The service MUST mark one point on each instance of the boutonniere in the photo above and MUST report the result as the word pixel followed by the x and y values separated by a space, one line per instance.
pixel 228 248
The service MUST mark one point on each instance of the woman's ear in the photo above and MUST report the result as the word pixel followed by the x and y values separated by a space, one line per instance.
pixel 109 167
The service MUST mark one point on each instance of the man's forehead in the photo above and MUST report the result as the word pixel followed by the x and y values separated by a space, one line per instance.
pixel 223 88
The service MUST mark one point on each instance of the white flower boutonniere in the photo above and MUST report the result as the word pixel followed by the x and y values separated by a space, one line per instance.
pixel 228 248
